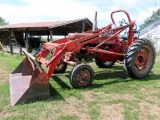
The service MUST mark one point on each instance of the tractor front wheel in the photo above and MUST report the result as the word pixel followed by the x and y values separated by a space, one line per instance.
pixel 81 76
pixel 139 58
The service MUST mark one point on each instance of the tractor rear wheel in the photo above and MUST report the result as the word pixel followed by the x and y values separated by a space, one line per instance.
pixel 81 76
pixel 102 64
pixel 140 58
pixel 61 67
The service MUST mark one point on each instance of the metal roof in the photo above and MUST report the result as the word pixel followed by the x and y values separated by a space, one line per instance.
pixel 59 27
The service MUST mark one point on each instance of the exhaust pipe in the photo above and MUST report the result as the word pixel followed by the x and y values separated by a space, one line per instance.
pixel 94 28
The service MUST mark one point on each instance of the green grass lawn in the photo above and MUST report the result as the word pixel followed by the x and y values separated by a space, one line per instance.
pixel 113 95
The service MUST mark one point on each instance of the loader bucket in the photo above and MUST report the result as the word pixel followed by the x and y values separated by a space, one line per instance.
pixel 28 82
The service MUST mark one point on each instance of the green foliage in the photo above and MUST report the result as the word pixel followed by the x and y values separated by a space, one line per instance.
pixel 3 22
pixel 155 16
pixel 44 39
pixel 10 65
pixel 149 37
pixel 154 41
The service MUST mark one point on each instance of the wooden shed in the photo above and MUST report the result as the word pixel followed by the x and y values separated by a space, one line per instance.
pixel 20 34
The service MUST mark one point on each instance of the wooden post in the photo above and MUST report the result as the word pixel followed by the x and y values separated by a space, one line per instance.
pixel 48 38
pixel 51 33
pixel 10 43
pixel 27 40
pixel 83 25
pixel 2 47
pixel 20 50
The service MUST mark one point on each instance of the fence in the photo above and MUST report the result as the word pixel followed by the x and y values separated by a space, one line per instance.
pixel 13 49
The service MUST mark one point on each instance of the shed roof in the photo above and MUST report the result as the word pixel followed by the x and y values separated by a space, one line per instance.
pixel 59 27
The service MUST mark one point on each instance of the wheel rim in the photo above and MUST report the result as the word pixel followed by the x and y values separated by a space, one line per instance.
pixel 83 77
pixel 143 59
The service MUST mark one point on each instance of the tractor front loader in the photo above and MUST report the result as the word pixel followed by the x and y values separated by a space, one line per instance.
pixel 30 80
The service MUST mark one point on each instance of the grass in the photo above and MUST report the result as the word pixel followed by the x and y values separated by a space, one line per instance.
pixel 113 95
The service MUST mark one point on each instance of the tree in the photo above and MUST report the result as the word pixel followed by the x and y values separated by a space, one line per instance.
pixel 154 16
pixel 154 41
pixel 3 22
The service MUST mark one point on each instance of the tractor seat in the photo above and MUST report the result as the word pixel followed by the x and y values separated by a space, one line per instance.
pixel 73 36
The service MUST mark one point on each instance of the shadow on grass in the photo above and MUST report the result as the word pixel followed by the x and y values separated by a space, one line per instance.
pixel 120 76
pixel 60 82
pixel 117 73
pixel 101 75
pixel 54 94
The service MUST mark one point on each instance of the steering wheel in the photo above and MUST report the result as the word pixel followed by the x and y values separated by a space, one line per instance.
pixel 123 22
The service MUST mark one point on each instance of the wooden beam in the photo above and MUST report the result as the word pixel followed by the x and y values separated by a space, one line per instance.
pixel 51 33
pixel 2 46
pixel 27 40
pixel 10 42
pixel 83 25
pixel 20 50
pixel 48 38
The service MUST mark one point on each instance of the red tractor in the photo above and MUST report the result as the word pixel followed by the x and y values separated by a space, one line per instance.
pixel 30 80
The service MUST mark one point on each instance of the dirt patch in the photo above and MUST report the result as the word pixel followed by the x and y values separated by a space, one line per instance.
pixel 122 96
pixel 3 76
pixel 76 107
pixel 101 95
pixel 149 110
pixel 8 115
pixel 149 89
pixel 88 96
pixel 155 91
pixel 143 90
pixel 115 96
pixel 153 99
pixel 112 112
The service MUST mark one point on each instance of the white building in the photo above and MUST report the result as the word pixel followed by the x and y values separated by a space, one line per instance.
pixel 152 30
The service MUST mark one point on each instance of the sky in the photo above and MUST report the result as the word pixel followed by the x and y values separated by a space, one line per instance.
pixel 25 11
